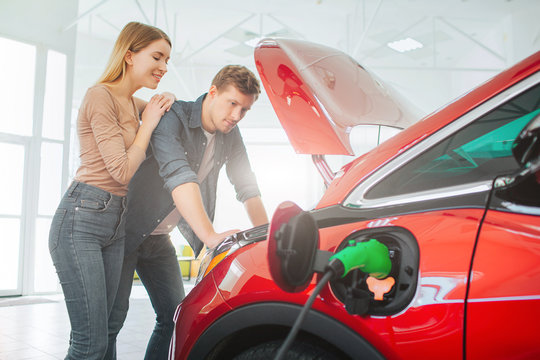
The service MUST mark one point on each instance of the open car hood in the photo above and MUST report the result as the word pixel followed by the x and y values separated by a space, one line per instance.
pixel 320 93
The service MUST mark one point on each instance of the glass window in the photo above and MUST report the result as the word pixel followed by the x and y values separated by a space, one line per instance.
pixel 9 253
pixel 54 108
pixel 17 71
pixel 11 187
pixel 363 138
pixel 480 151
pixel 50 179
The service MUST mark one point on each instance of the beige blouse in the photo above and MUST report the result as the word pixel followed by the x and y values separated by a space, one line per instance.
pixel 106 131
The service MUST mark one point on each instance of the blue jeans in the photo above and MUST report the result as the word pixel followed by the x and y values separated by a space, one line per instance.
pixel 86 241
pixel 157 267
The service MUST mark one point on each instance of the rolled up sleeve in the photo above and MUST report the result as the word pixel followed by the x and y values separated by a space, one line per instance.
pixel 169 152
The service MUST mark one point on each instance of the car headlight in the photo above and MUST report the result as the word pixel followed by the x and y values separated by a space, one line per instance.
pixel 214 256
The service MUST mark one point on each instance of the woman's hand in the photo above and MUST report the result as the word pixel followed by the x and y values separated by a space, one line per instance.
pixel 170 98
pixel 155 109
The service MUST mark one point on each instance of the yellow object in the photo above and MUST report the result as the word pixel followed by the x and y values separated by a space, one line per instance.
pixel 185 260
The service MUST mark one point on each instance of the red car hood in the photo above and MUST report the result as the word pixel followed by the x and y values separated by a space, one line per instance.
pixel 320 93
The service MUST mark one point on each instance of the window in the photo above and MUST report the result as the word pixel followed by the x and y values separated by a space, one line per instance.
pixel 480 151
pixel 11 192
pixel 17 71
pixel 55 96
pixel 33 141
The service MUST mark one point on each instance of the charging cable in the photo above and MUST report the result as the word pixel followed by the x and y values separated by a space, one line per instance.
pixel 300 319
pixel 371 257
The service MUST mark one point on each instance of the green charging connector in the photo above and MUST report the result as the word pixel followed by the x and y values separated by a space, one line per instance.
pixel 371 257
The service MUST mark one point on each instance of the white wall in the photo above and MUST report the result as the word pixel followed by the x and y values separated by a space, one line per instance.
pixel 40 22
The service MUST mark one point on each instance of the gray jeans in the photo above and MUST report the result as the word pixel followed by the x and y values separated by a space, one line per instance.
pixel 86 242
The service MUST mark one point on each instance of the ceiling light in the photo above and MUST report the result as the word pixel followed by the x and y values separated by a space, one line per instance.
pixel 407 44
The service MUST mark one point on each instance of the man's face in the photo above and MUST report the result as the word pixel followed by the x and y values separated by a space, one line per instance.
pixel 227 107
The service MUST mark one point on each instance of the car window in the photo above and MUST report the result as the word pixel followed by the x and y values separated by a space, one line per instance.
pixel 479 151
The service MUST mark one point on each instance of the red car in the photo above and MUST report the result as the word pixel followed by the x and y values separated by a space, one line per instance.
pixel 454 198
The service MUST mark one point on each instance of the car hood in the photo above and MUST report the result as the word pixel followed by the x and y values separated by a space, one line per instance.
pixel 320 93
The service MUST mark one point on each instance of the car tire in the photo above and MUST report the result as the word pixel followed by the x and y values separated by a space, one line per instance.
pixel 298 351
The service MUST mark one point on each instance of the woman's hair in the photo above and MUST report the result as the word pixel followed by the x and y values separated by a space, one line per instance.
pixel 134 37
pixel 238 76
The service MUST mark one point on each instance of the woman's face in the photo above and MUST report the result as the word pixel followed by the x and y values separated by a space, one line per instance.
pixel 147 66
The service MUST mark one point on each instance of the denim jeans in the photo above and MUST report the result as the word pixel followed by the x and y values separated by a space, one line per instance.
pixel 157 267
pixel 86 242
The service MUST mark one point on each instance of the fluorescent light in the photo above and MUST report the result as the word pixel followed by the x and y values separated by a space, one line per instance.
pixel 407 44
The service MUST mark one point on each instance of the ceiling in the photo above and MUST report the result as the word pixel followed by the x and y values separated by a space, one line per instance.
pixel 463 42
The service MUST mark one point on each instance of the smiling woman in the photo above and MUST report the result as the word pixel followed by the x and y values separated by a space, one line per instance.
pixel 86 239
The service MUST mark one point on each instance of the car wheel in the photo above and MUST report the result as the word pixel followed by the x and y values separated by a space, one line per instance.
pixel 298 351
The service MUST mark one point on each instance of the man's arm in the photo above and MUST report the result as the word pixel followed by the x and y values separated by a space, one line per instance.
pixel 188 200
pixel 180 179
pixel 256 211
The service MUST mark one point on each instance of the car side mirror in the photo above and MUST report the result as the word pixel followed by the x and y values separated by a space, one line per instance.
pixel 526 147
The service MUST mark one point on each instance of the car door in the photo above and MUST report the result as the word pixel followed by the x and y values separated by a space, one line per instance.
pixel 443 194
pixel 503 305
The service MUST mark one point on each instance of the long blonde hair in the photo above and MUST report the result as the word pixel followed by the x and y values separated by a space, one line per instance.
pixel 134 36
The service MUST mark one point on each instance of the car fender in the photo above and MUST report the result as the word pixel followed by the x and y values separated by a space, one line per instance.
pixel 283 314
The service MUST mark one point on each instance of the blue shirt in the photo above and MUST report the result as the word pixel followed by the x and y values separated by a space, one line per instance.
pixel 173 158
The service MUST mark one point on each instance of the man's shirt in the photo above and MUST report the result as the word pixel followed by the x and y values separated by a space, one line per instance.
pixel 207 163
pixel 174 158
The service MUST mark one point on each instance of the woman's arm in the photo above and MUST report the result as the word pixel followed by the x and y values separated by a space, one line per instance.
pixel 121 159
pixel 150 117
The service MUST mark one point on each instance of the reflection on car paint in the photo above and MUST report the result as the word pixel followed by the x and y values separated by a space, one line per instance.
pixel 436 289
pixel 235 272
pixel 381 222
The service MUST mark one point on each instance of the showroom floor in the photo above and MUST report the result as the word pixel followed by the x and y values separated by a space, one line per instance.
pixel 37 327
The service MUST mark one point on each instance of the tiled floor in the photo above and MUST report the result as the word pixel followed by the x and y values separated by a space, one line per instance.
pixel 37 328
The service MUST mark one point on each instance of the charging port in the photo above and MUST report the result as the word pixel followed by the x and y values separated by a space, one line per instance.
pixel 365 295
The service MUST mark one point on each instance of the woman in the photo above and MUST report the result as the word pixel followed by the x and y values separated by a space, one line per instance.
pixel 86 240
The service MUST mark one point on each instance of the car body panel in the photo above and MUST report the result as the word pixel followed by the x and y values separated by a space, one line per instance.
pixel 191 312
pixel 437 313
pixel 435 318
pixel 503 307
pixel 312 84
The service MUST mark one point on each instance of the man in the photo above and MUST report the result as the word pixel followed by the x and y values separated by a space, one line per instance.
pixel 176 186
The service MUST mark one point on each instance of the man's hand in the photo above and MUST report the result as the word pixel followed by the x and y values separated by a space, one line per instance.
pixel 188 201
pixel 216 238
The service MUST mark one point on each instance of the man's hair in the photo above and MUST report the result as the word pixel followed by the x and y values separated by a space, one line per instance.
pixel 240 77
